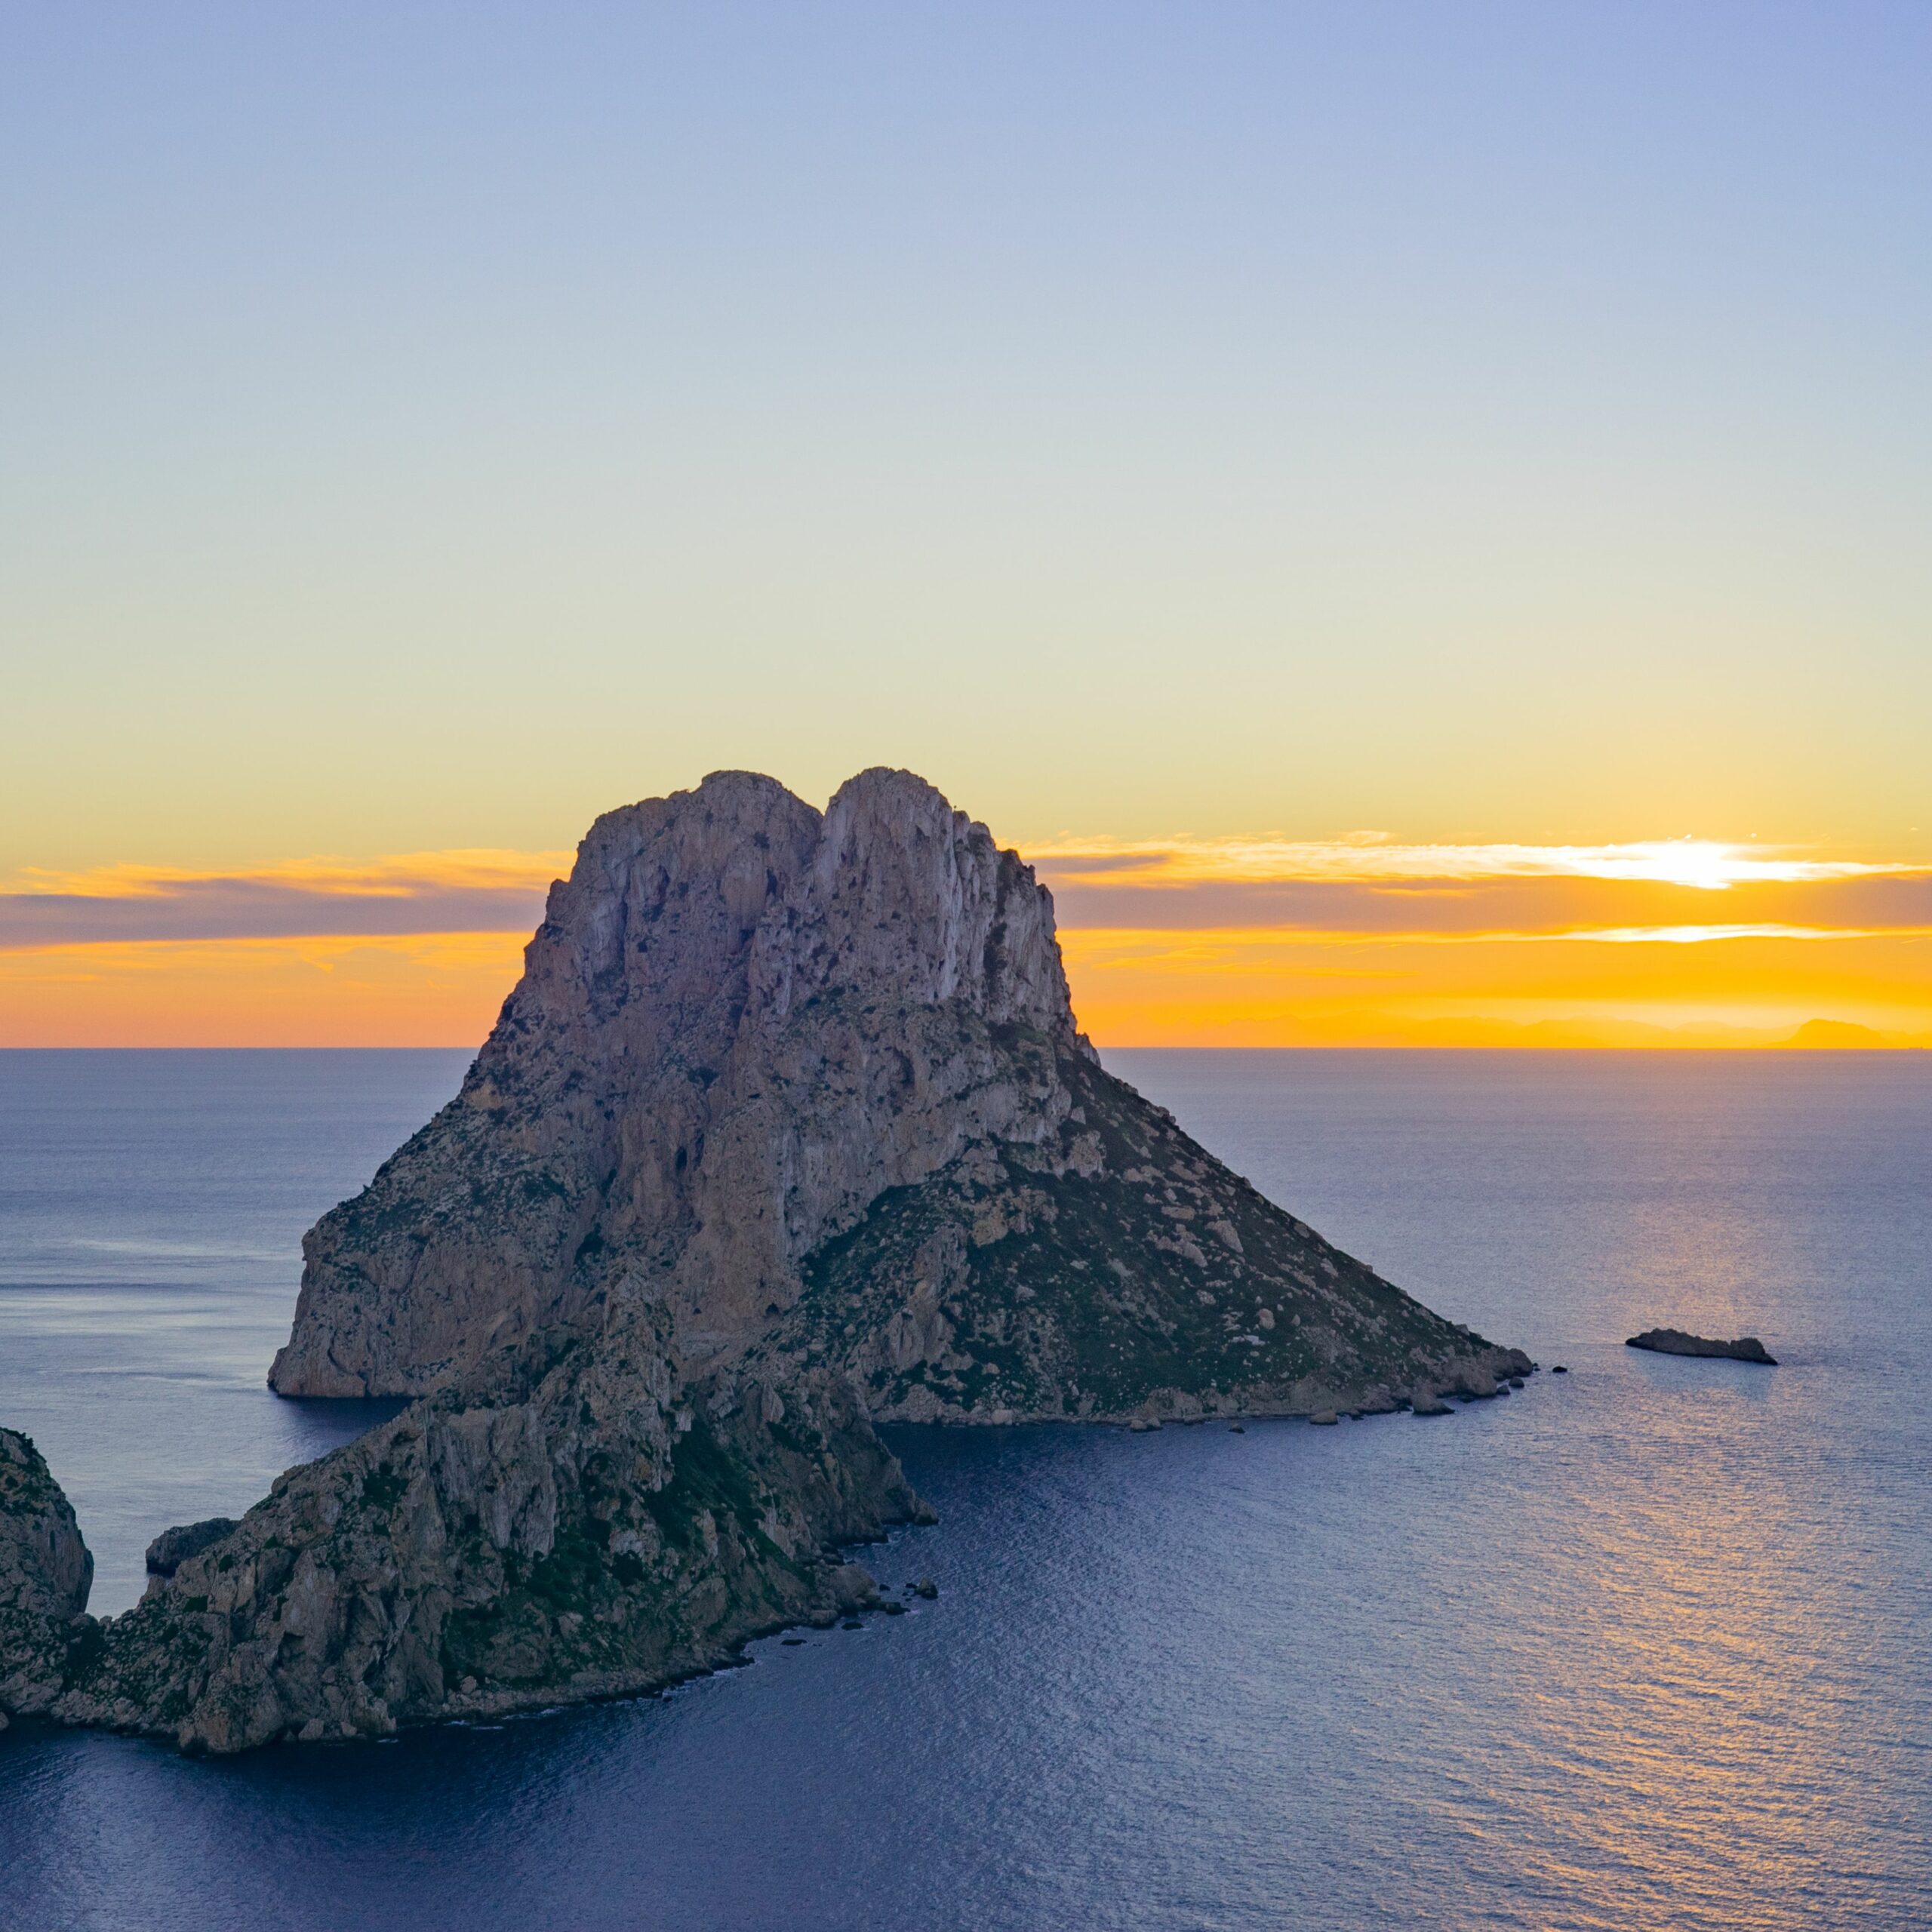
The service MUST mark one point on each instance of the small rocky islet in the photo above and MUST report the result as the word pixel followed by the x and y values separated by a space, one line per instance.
pixel 787 1130
pixel 1677 1341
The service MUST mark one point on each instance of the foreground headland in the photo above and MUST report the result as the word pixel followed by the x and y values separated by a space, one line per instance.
pixel 787 1130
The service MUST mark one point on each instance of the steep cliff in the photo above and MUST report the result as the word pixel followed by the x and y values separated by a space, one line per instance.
pixel 740 1023
pixel 46 1574
pixel 786 1129
pixel 788 1073
pixel 563 1524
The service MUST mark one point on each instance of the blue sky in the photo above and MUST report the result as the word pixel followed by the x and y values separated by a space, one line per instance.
pixel 426 426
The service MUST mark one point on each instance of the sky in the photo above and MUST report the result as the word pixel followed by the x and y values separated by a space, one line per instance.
pixel 1302 474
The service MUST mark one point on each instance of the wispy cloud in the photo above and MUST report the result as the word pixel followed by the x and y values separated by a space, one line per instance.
pixel 1186 941
pixel 1706 864
pixel 1367 887
pixel 410 893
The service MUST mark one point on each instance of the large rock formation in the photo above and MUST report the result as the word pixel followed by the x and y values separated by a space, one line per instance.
pixel 739 1025
pixel 787 1129
pixel 46 1574
pixel 814 1082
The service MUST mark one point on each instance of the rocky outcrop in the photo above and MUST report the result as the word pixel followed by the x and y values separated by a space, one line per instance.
pixel 740 1024
pixel 1111 1270
pixel 787 1129
pixel 1676 1342
pixel 46 1574
pixel 816 1083
pixel 565 1522
pixel 173 1547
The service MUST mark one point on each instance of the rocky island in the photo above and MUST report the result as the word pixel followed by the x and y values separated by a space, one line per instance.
pixel 787 1130
pixel 1676 1342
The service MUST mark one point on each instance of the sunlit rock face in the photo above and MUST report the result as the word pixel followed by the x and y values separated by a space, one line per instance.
pixel 741 1023
pixel 812 1083
pixel 786 1130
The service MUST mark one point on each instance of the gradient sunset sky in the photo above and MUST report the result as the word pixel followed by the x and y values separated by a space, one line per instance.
pixel 1418 517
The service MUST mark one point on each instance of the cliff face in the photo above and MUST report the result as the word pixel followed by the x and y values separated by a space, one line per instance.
pixel 794 1074
pixel 564 1523
pixel 787 1129
pixel 739 1024
pixel 46 1574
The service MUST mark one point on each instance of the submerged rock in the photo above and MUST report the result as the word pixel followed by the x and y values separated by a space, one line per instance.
pixel 1676 1342
pixel 787 1129
pixel 46 1572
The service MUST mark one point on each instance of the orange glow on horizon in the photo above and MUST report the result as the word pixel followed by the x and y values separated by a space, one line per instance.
pixel 428 989
pixel 1704 864
pixel 1252 942
pixel 1252 987
pixel 1164 988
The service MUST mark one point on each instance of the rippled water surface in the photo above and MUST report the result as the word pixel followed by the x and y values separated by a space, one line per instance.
pixel 1648 1645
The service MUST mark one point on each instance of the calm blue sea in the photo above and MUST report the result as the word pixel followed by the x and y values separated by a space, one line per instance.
pixel 1646 1646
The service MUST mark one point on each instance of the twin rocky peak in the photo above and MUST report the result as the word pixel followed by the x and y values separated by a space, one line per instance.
pixel 787 1130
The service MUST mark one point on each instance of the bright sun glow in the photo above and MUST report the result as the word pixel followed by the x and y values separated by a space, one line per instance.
pixel 1705 864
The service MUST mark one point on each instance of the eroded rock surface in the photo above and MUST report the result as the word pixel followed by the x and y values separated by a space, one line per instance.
pixel 46 1574
pixel 565 1521
pixel 740 1023
pixel 787 1128
pixel 816 1082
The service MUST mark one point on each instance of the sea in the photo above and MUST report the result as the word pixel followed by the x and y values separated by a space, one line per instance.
pixel 1646 1645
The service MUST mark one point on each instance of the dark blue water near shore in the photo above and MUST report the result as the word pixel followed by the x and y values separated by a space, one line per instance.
pixel 1649 1645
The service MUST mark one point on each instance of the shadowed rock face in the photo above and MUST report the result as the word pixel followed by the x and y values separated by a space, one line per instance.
pixel 173 1547
pixel 45 1573
pixel 787 1128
